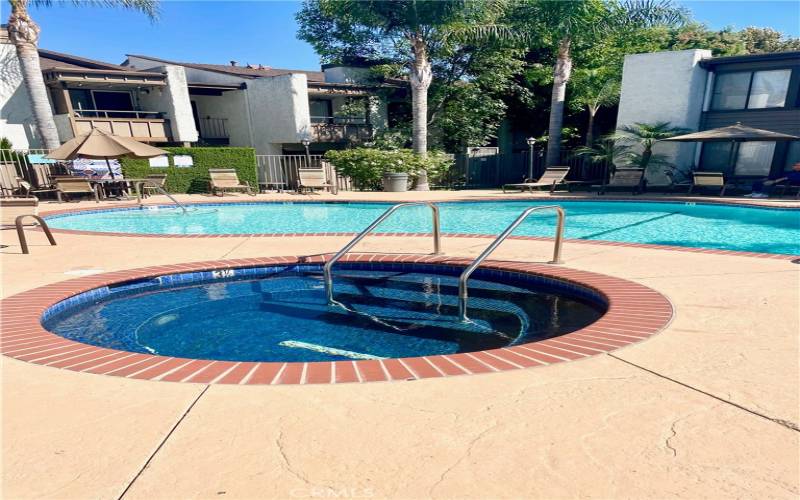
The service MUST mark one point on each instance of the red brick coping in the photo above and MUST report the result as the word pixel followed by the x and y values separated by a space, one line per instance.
pixel 635 312
pixel 654 246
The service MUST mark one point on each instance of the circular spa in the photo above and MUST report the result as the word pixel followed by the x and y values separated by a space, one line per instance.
pixel 279 313
pixel 698 225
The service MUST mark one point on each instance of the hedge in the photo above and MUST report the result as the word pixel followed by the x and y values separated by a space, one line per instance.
pixel 195 179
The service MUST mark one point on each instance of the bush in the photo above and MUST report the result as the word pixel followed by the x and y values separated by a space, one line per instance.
pixel 366 166
pixel 194 179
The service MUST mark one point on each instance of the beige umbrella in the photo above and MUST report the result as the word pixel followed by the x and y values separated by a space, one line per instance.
pixel 100 144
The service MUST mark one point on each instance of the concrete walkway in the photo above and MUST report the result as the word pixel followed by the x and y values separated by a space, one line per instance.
pixel 708 408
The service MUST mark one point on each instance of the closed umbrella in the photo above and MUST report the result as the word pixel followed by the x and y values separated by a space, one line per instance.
pixel 734 134
pixel 100 144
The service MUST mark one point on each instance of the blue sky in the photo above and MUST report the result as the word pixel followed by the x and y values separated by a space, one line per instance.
pixel 264 32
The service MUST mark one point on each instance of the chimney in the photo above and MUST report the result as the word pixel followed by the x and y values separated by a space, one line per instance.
pixel 250 66
pixel 261 66
pixel 233 63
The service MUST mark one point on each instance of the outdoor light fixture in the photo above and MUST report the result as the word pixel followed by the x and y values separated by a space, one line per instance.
pixel 531 142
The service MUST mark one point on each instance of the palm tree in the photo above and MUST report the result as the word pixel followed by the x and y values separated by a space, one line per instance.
pixel 418 27
pixel 24 34
pixel 594 89
pixel 565 23
pixel 641 138
pixel 606 152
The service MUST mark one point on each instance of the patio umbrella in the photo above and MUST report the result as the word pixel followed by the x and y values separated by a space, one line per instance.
pixel 734 134
pixel 100 144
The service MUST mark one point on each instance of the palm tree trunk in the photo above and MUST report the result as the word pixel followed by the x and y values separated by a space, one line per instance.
pixel 561 74
pixel 590 126
pixel 24 34
pixel 420 78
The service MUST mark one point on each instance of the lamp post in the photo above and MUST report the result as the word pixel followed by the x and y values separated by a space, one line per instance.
pixel 306 142
pixel 531 143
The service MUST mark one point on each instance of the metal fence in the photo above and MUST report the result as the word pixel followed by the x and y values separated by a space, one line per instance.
pixel 282 170
pixel 28 165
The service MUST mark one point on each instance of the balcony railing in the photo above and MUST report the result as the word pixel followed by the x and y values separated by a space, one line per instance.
pixel 115 113
pixel 214 128
pixel 341 132
pixel 141 129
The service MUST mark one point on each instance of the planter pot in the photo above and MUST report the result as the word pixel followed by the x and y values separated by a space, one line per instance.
pixel 395 182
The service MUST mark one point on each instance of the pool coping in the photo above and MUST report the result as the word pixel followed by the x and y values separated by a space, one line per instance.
pixel 635 313
pixel 653 246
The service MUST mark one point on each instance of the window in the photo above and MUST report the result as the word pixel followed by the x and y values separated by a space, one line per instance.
pixel 792 156
pixel 769 89
pixel 321 110
pixel 746 90
pixel 730 91
pixel 113 101
pixel 716 157
pixel 81 99
pixel 754 158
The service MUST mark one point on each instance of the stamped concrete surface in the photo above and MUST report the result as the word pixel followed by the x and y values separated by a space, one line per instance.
pixel 707 408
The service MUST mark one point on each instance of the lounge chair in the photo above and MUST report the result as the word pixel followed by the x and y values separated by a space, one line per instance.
pixel 9 179
pixel 225 179
pixel 309 179
pixel 626 179
pixel 154 180
pixel 551 177
pixel 69 186
pixel 14 211
pixel 713 180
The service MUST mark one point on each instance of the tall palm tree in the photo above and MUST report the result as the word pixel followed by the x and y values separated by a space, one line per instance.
pixel 418 27
pixel 24 34
pixel 565 23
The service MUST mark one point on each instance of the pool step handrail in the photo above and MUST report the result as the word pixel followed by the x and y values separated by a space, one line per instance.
pixel 463 296
pixel 328 268
pixel 158 188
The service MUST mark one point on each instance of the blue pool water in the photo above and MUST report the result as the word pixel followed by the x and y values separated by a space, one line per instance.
pixel 280 314
pixel 691 225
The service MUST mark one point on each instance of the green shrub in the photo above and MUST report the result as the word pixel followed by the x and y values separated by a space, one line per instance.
pixel 194 179
pixel 366 166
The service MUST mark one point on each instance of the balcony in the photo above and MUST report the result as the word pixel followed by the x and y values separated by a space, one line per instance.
pixel 145 126
pixel 214 130
pixel 328 129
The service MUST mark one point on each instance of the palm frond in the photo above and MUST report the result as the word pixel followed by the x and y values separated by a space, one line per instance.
pixel 147 7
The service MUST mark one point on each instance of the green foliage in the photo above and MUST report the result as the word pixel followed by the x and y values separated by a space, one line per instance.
pixel 195 179
pixel 763 40
pixel 366 166
pixel 640 139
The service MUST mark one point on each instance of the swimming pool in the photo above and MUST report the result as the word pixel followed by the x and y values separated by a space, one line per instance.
pixel 279 313
pixel 751 229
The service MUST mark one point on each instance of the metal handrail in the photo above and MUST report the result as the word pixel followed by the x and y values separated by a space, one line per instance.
pixel 462 280
pixel 327 269
pixel 158 188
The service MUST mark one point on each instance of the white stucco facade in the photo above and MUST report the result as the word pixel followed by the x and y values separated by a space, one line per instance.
pixel 16 116
pixel 173 101
pixel 665 87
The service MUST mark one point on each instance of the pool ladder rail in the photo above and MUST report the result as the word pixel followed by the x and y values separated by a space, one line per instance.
pixel 463 295
pixel 158 188
pixel 327 270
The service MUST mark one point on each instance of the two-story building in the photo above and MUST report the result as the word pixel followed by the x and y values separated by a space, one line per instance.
pixel 166 102
pixel 693 90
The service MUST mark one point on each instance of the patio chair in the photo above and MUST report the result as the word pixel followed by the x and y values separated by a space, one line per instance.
pixel 625 179
pixel 705 180
pixel 69 186
pixel 149 188
pixel 14 211
pixel 551 177
pixel 309 179
pixel 225 179
pixel 9 180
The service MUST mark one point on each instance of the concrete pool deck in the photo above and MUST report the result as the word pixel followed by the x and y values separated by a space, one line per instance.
pixel 708 407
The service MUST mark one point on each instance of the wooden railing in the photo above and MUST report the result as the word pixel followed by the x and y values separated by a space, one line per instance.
pixel 340 132
pixel 115 113
pixel 214 128
pixel 141 129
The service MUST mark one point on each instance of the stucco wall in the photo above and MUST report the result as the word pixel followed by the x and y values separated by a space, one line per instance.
pixel 664 87
pixel 174 101
pixel 278 109
pixel 16 117
pixel 232 106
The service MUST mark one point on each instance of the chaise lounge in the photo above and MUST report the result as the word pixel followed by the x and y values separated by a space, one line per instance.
pixel 624 179
pixel 551 177
pixel 225 179
pixel 310 179
pixel 704 180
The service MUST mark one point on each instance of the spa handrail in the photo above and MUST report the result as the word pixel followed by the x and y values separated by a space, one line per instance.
pixel 140 183
pixel 462 280
pixel 328 268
